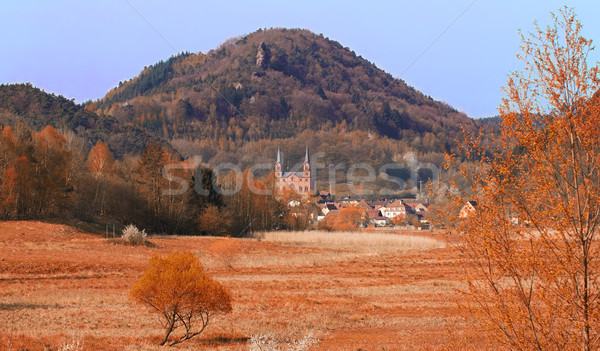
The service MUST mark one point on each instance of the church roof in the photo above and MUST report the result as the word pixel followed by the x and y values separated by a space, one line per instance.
pixel 289 174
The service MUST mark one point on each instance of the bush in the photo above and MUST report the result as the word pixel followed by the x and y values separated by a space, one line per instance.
pixel 177 288
pixel 132 235
pixel 74 345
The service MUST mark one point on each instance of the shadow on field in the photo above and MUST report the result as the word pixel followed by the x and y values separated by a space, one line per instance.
pixel 26 306
pixel 121 242
pixel 219 340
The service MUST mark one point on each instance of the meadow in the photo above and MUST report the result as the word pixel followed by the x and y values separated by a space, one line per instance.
pixel 63 289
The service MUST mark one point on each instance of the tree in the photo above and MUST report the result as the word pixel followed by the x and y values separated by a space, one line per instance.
pixel 346 219
pixel 254 206
pixel 204 202
pixel 100 163
pixel 531 253
pixel 100 160
pixel 399 219
pixel 214 221
pixel 51 181
pixel 152 183
pixel 205 192
pixel 178 288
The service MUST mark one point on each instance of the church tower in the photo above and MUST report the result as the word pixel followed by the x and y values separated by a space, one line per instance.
pixel 307 165
pixel 299 181
pixel 278 165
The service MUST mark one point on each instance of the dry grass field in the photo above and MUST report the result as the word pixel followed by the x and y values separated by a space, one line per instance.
pixel 352 291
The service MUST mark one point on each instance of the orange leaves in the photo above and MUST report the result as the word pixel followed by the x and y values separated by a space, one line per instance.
pixel 37 168
pixel 50 138
pixel 177 287
pixel 100 160
pixel 214 221
pixel 346 219
pixel 531 252
pixel 8 138
pixel 399 219
pixel 7 190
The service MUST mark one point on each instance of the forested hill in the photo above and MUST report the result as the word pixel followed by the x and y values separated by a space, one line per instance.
pixel 285 88
pixel 37 109
pixel 276 84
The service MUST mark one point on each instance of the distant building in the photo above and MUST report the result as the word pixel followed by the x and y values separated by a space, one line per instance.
pixel 469 209
pixel 393 209
pixel 324 196
pixel 417 207
pixel 300 182
pixel 376 218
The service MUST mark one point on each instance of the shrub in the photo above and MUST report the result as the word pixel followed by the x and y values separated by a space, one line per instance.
pixel 74 345
pixel 177 288
pixel 132 235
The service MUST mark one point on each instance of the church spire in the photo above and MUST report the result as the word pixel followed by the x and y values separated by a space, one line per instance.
pixel 306 158
pixel 278 165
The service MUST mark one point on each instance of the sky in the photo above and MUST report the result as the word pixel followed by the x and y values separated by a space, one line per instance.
pixel 459 52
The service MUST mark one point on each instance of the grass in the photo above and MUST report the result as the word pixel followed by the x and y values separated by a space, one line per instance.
pixel 352 290
pixel 368 240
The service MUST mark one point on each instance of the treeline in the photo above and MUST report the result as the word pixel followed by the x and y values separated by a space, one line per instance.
pixel 153 77
pixel 48 175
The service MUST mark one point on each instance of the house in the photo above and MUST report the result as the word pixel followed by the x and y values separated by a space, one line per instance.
pixel 299 182
pixel 364 205
pixel 394 209
pixel 417 207
pixel 324 196
pixel 377 204
pixel 332 206
pixel 351 199
pixel 469 209
pixel 374 217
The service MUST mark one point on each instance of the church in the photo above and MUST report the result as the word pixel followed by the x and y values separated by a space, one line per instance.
pixel 300 182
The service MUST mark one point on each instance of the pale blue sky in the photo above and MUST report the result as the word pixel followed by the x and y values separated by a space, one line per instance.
pixel 81 49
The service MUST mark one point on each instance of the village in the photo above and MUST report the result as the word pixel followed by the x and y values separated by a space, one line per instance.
pixel 400 213
pixel 383 212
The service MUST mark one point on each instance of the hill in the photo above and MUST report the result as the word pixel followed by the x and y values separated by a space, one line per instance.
pixel 37 109
pixel 277 84
pixel 239 103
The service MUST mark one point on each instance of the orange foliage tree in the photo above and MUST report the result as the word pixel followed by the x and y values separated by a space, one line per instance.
pixel 152 161
pixel 100 160
pixel 399 219
pixel 531 253
pixel 178 288
pixel 214 221
pixel 35 172
pixel 52 162
pixel 100 163
pixel 348 219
